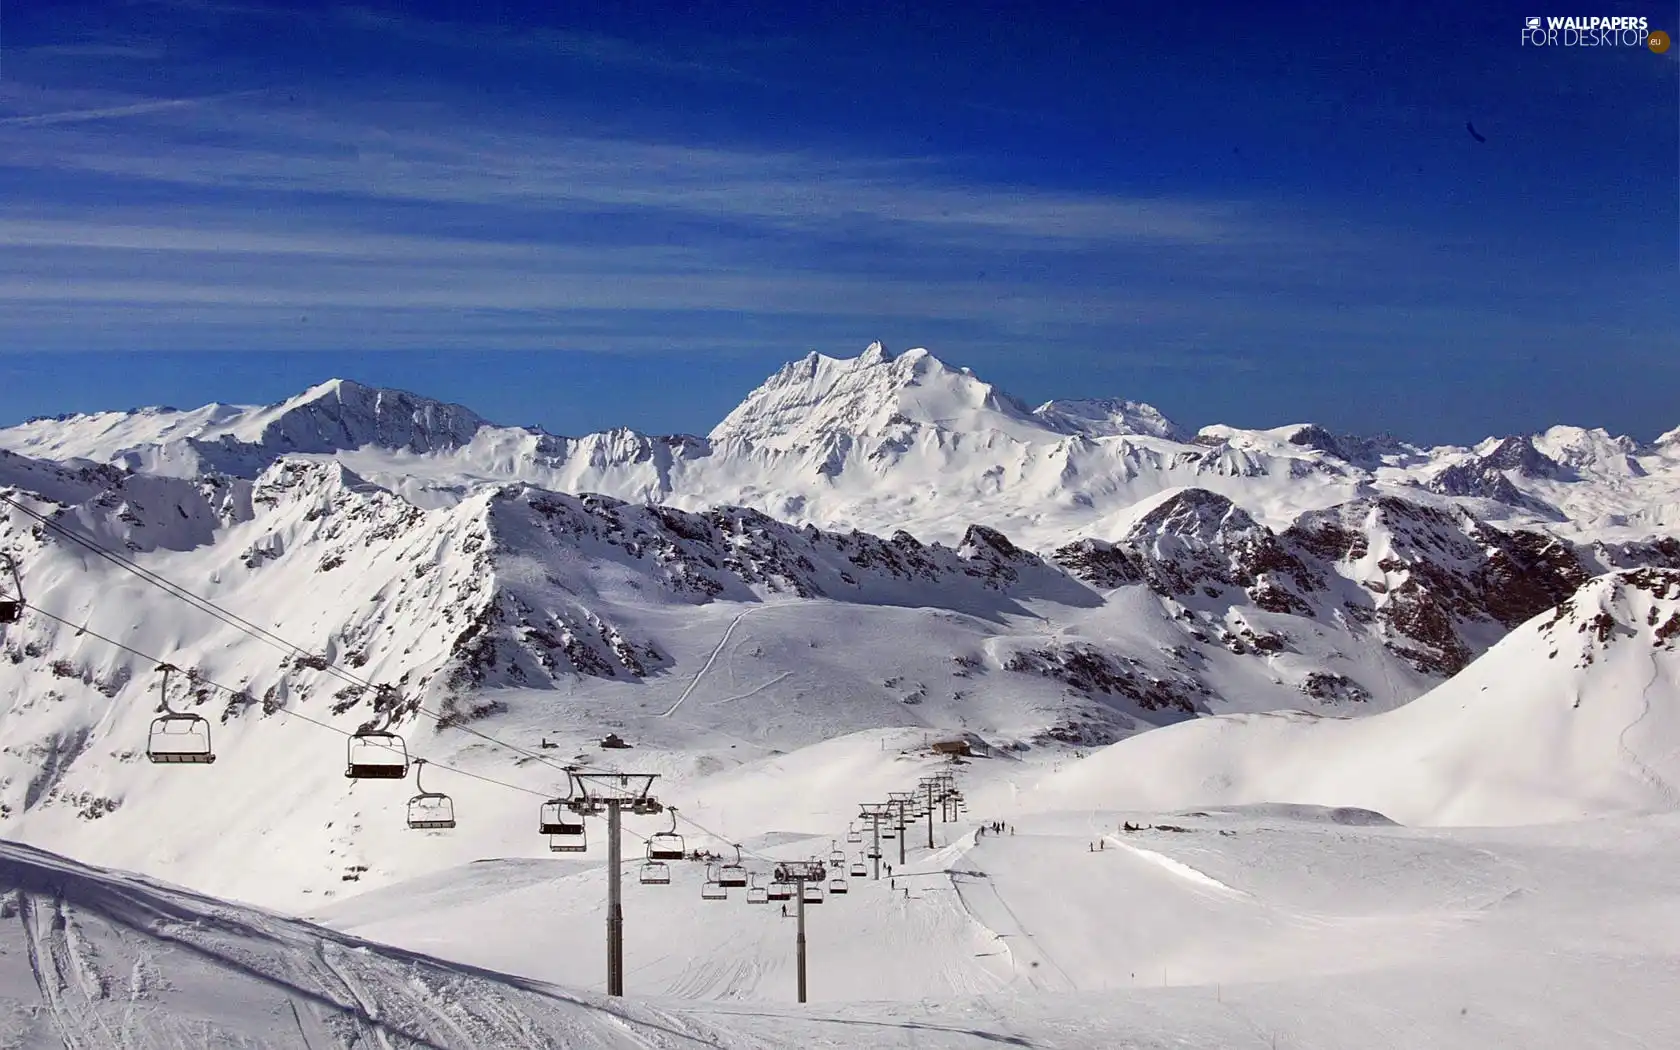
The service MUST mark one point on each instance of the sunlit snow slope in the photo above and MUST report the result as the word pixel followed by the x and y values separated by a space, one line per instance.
pixel 1576 714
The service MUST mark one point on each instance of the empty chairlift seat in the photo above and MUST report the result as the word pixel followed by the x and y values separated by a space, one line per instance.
pixel 860 870
pixel 779 891
pixel 733 875
pixel 563 826
pixel 757 894
pixel 429 810
pixel 713 889
pixel 813 893
pixel 178 737
pixel 666 845
pixel 837 885
pixel 656 873
pixel 373 754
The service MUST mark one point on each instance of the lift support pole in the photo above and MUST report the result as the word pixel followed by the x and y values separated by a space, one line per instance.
pixel 615 904
pixel 930 813
pixel 799 873
pixel 589 794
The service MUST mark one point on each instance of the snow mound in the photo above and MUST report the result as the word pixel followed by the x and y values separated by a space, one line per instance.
pixel 94 958
pixel 1576 714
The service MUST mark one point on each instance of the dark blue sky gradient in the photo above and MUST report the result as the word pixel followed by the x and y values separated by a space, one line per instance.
pixel 594 215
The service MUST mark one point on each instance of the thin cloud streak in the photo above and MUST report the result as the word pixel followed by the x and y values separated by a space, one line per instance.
pixel 134 109
pixel 273 150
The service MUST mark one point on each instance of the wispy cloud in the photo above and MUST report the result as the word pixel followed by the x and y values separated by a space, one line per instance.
pixel 271 150
pixel 595 49
pixel 102 50
pixel 248 220
pixel 131 109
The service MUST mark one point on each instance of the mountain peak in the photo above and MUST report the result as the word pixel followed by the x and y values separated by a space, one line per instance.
pixel 1108 417
pixel 817 398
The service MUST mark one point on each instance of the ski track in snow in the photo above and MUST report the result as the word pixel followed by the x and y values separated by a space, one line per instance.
pixel 750 692
pixel 1640 768
pixel 366 1004
pixel 710 660
pixel 1179 868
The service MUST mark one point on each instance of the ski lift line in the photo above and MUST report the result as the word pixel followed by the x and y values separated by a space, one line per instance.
pixel 724 838
pixel 288 712
pixel 245 626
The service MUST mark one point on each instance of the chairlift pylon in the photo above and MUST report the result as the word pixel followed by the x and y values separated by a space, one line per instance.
pixel 178 737
pixel 11 590
pixel 429 810
pixel 667 845
pixel 375 754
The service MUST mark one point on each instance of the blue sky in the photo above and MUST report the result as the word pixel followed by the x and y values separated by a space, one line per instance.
pixel 631 215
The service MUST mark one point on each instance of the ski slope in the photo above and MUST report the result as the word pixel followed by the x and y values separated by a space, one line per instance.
pixel 1575 715
pixel 1239 928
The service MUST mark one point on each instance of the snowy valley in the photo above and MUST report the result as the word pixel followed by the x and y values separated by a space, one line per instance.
pixel 1397 728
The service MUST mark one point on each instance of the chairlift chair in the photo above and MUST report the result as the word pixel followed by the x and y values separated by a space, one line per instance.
pixel 374 754
pixel 558 819
pixel 813 893
pixel 837 885
pixel 666 845
pixel 756 894
pixel 733 875
pixel 853 834
pixel 429 810
pixel 836 855
pixel 11 590
pixel 178 737
pixel 779 891
pixel 860 870
pixel 656 873
pixel 713 889
pixel 569 843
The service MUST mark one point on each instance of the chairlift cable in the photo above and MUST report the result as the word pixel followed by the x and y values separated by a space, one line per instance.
pixel 288 712
pixel 253 630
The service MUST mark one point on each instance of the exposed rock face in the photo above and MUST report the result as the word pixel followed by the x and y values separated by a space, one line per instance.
pixel 1443 587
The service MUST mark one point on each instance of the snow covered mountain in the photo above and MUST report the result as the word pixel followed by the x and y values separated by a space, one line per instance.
pixel 1574 715
pixel 1084 571
pixel 884 442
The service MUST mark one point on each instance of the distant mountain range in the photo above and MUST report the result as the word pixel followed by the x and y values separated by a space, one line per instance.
pixel 881 541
